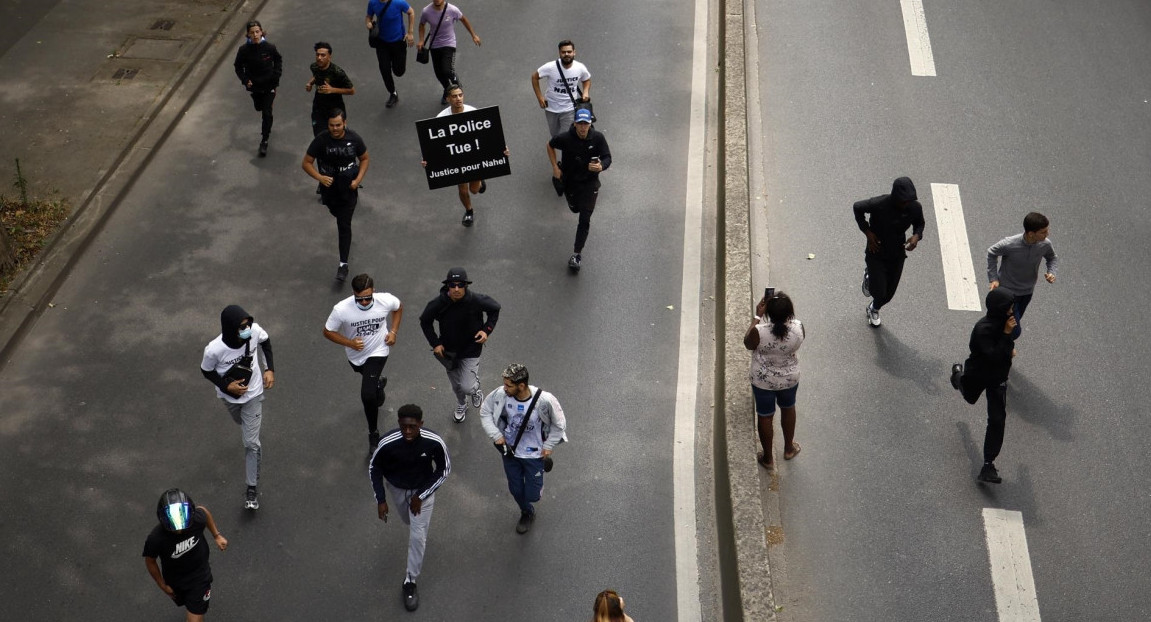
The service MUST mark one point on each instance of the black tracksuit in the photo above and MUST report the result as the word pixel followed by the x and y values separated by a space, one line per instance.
pixel 262 64
pixel 889 220
pixel 988 366
pixel 581 186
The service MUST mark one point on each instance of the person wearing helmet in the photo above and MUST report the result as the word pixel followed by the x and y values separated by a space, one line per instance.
pixel 182 572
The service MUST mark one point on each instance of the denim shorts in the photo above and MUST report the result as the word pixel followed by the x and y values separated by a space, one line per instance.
pixel 765 399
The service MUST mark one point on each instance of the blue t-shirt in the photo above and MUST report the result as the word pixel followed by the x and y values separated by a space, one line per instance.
pixel 392 21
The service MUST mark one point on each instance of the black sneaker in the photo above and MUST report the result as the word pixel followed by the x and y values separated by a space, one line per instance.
pixel 574 262
pixel 989 474
pixel 342 273
pixel 483 186
pixel 468 219
pixel 956 374
pixel 373 442
pixel 380 395
pixel 251 499
pixel 866 286
pixel 873 315
pixel 264 148
pixel 411 596
pixel 392 100
pixel 525 523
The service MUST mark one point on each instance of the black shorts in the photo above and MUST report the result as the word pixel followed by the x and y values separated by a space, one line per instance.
pixel 194 598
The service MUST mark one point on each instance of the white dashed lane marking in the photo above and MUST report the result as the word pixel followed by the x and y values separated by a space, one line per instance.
pixel 918 42
pixel 1015 598
pixel 958 271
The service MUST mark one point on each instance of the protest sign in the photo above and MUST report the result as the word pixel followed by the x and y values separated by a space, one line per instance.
pixel 463 147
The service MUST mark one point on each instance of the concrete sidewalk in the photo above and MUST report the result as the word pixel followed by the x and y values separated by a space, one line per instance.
pixel 84 103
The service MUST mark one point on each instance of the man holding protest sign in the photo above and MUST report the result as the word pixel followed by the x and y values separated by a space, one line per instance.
pixel 471 186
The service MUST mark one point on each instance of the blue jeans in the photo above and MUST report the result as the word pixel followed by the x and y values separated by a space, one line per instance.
pixel 525 481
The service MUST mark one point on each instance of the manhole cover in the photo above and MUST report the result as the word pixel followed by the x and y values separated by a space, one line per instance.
pixel 157 49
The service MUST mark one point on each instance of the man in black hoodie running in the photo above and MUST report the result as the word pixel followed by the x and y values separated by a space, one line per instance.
pixel 231 363
pixel 890 216
pixel 586 155
pixel 992 348
pixel 259 66
pixel 463 332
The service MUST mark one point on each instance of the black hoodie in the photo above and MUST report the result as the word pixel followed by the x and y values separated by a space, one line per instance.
pixel 261 63
pixel 578 153
pixel 459 322
pixel 230 319
pixel 888 220
pixel 991 348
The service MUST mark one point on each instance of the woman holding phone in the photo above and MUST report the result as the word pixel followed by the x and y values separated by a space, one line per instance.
pixel 774 337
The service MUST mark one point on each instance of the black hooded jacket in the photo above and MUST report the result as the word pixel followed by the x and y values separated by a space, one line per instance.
pixel 888 220
pixel 459 322
pixel 230 319
pixel 578 153
pixel 991 348
pixel 261 63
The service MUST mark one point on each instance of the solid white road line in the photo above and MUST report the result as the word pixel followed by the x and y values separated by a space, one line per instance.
pixel 958 272
pixel 918 42
pixel 683 451
pixel 1015 598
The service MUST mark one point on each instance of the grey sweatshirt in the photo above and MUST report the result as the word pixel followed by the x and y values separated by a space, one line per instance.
pixel 1020 266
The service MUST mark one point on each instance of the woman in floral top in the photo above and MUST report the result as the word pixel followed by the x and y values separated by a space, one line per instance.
pixel 774 337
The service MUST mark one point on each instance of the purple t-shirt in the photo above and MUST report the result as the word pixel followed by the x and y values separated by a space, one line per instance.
pixel 446 37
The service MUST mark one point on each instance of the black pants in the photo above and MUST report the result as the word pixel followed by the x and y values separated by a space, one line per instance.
pixel 444 64
pixel 996 412
pixel 883 277
pixel 372 380
pixel 581 199
pixel 263 104
pixel 393 59
pixel 343 213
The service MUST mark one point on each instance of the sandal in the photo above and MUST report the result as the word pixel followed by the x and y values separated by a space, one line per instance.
pixel 788 455
pixel 760 458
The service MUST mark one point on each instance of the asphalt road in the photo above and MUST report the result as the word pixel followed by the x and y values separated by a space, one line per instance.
pixel 104 407
pixel 1036 106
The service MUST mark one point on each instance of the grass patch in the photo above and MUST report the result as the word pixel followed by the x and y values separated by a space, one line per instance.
pixel 27 223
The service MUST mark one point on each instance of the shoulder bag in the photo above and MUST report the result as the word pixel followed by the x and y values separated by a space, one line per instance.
pixel 374 33
pixel 509 451
pixel 424 54
pixel 579 104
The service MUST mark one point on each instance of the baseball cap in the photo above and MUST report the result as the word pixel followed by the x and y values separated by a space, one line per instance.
pixel 583 115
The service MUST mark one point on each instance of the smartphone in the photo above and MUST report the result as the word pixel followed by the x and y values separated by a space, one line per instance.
pixel 595 159
pixel 768 292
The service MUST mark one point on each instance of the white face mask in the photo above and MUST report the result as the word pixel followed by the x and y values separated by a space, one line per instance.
pixel 366 307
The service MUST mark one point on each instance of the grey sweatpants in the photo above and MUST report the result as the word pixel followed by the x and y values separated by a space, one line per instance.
pixel 248 415
pixel 417 525
pixel 465 378
pixel 559 122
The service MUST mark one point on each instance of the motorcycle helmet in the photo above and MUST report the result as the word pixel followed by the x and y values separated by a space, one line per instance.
pixel 175 509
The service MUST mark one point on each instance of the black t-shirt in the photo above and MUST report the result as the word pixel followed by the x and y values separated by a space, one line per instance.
pixel 338 155
pixel 184 555
pixel 336 78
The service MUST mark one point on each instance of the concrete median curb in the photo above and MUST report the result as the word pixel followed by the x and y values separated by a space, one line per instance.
pixel 737 454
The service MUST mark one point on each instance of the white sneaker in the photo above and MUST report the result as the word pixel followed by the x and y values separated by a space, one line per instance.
pixel 477 398
pixel 461 412
pixel 873 316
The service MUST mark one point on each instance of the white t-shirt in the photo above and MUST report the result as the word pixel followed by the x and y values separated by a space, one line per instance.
pixel 351 321
pixel 446 111
pixel 218 357
pixel 531 445
pixel 554 91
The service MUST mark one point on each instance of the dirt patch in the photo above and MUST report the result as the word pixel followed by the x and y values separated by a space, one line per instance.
pixel 27 226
